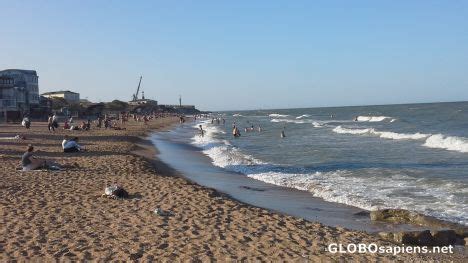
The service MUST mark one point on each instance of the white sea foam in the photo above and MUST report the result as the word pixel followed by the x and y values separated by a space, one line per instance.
pixel 289 121
pixel 303 116
pixel 221 152
pixel 451 143
pixel 342 130
pixel 377 192
pixel 237 115
pixel 401 136
pixel 276 115
pixel 317 124
pixel 368 189
pixel 374 118
pixel 382 134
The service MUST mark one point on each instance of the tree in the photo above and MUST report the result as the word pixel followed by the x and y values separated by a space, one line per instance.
pixel 117 105
pixel 58 103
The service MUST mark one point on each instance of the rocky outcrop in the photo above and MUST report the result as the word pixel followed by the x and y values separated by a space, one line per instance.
pixel 443 233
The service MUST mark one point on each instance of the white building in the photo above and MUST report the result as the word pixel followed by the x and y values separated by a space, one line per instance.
pixel 69 96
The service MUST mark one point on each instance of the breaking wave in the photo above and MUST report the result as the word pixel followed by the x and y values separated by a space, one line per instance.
pixel 369 189
pixel 451 143
pixel 382 134
pixel 276 115
pixel 374 118
pixel 438 141
pixel 303 116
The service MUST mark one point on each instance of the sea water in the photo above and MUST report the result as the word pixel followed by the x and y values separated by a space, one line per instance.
pixel 412 156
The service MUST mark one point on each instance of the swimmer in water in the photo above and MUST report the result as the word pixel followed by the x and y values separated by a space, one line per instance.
pixel 282 134
pixel 235 132
pixel 202 132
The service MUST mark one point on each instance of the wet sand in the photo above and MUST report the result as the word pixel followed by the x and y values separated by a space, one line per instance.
pixel 47 215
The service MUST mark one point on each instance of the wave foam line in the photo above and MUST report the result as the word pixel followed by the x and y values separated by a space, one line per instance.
pixel 344 187
pixel 451 143
pixel 374 118
pixel 382 134
pixel 276 115
pixel 436 141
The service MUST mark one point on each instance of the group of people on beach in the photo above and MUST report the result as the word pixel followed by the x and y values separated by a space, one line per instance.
pixel 70 144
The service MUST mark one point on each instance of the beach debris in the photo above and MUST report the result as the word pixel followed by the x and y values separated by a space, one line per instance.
pixel 115 191
pixel 161 212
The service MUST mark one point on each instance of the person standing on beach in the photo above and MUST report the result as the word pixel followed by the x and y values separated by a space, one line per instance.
pixel 50 124
pixel 26 122
pixel 55 121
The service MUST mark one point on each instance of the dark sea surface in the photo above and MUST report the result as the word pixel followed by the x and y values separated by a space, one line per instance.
pixel 412 156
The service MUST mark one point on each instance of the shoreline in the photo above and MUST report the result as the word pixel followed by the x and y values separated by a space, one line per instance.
pixel 59 214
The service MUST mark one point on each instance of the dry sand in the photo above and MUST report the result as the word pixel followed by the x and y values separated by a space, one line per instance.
pixel 60 215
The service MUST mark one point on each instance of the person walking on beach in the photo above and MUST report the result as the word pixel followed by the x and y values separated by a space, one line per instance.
pixel 26 122
pixel 50 124
pixel 55 120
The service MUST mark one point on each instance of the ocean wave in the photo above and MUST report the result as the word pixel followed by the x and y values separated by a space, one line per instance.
pixel 289 121
pixel 276 115
pixel 437 141
pixel 374 118
pixel 376 192
pixel 317 124
pixel 303 116
pixel 382 134
pixel 368 189
pixel 401 136
pixel 451 143
pixel 237 115
pixel 221 152
pixel 342 130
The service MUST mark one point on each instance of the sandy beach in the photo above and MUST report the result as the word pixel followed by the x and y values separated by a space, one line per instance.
pixel 60 215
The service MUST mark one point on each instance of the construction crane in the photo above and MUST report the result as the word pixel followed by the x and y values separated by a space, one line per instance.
pixel 135 96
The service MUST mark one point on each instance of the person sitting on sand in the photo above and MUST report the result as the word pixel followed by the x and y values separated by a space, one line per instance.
pixel 71 145
pixel 66 125
pixel 29 162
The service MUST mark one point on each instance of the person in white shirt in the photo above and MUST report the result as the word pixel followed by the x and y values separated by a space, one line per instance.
pixel 71 145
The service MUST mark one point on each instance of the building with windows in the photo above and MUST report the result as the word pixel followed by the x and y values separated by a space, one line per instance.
pixel 69 96
pixel 19 92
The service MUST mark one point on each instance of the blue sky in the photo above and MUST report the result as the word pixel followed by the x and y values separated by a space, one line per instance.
pixel 224 55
